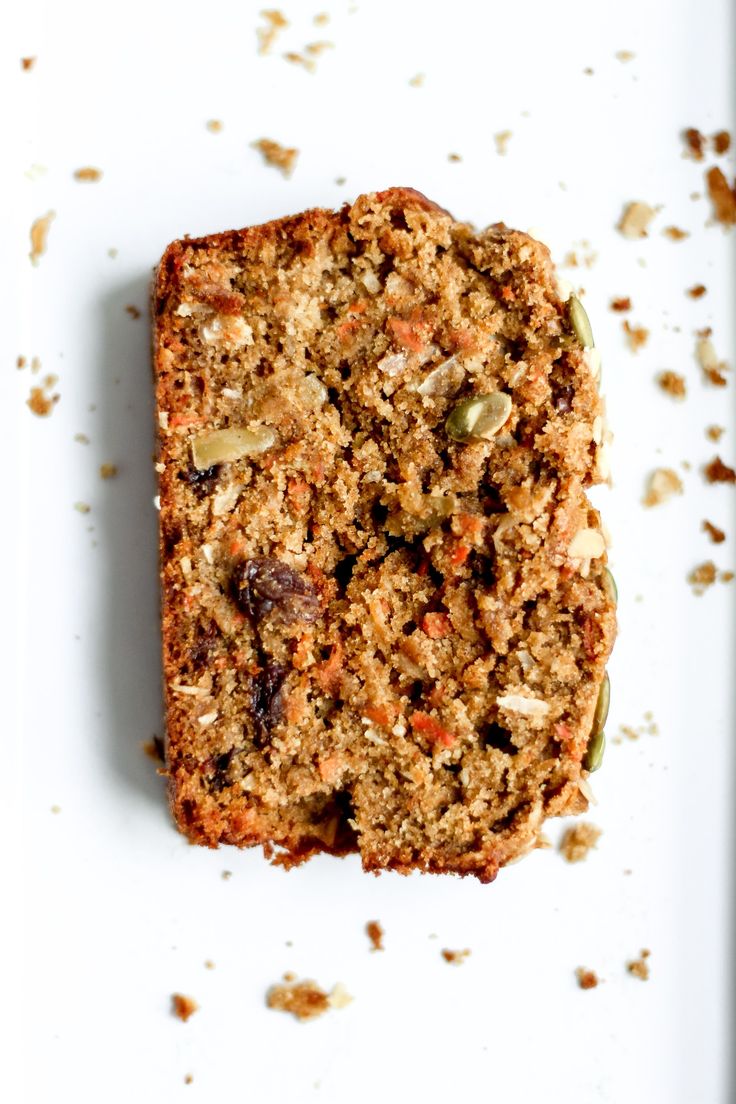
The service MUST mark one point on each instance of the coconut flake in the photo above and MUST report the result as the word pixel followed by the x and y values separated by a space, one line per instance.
pixel 520 703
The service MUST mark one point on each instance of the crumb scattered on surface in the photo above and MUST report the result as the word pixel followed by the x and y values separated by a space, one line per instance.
pixel 456 958
pixel 108 471
pixel 621 305
pixel 188 1078
pixel 275 22
pixel 726 576
pixel 721 141
pixel 321 18
pixel 81 438
pixel 502 139
pixel 714 432
pixel 673 384
pixel 295 58
pixel 588 71
pixel 636 336
pixel 697 291
pixel 209 964
pixel 20 362
pixel 635 220
pixel 718 472
pixel 214 126
pixel 587 979
pixel 183 1007
pixel 40 402
pixel 454 157
pixel 707 358
pixel 27 64
pixel 154 749
pixel 316 49
pixel 340 180
pixel 417 81
pixel 88 173
pixel 82 507
pixel 702 577
pixel 663 483
pixel 56 808
pixel 226 875
pixel 281 157
pixel 722 196
pixel 374 931
pixel 674 233
pixel 578 840
pixel 112 253
pixel 716 535
pixel 649 727
pixel 39 235
pixel 625 55
pixel 639 967
pixel 694 143
pixel 305 999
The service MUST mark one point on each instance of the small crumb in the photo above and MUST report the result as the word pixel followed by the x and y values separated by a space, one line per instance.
pixel 588 71
pixel 20 362
pixel 621 305
pixel 722 196
pixel 718 472
pixel 726 576
pixel 639 967
pixel 154 749
pixel 697 291
pixel 183 1007
pixel 82 507
pixel 635 220
pixel 587 979
pixel 81 438
pixel 188 1078
pixel 702 577
pixel 707 358
pixel 721 141
pixel 39 235
pixel 209 964
pixel 275 22
pixel 316 49
pixel 456 958
pixel 226 875
pixel 662 485
pixel 214 126
pixel 673 384
pixel 88 174
pixel 40 403
pixel 374 931
pixel 299 59
pixel 624 55
pixel 636 336
pixel 56 809
pixel 417 81
pixel 134 312
pixel 716 535
pixel 694 144
pixel 502 139
pixel 112 253
pixel 674 233
pixel 341 180
pixel 714 432
pixel 577 841
pixel 281 157
pixel 27 64
pixel 288 976
pixel 108 471
pixel 321 19
pixel 454 157
pixel 305 999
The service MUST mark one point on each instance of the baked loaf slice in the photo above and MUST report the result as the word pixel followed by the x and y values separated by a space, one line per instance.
pixel 386 611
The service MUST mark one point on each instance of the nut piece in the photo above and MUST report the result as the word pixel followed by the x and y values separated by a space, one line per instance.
pixel 479 417
pixel 225 445
pixel 580 322
pixel 635 220
pixel 526 706
pixel 445 379
pixel 663 484
pixel 587 544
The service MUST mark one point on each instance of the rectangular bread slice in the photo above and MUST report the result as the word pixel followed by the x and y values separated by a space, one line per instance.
pixel 386 610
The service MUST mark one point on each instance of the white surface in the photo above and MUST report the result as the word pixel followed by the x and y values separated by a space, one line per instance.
pixel 119 911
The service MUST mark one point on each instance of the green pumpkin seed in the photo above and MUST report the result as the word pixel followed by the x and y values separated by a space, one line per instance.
pixel 609 585
pixel 479 417
pixel 594 755
pixel 597 742
pixel 601 706
pixel 580 322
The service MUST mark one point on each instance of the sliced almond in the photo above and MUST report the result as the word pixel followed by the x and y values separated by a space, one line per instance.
pixel 587 544
pixel 221 446
pixel 520 703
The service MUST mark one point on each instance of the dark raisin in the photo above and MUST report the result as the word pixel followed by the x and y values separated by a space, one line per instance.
pixel 222 765
pixel 201 482
pixel 199 652
pixel 263 586
pixel 563 399
pixel 266 700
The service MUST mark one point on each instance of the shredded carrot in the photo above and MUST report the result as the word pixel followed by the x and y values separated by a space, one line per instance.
pixel 432 729
pixel 459 554
pixel 345 329
pixel 359 307
pixel 469 525
pixel 329 673
pixel 507 293
pixel 185 419
pixel 436 625
pixel 380 714
pixel 412 334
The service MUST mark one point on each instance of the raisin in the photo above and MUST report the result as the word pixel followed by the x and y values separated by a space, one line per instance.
pixel 264 586
pixel 222 765
pixel 266 700
pixel 201 482
pixel 199 652
pixel 563 400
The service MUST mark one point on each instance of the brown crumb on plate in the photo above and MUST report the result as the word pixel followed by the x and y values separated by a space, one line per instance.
pixel 726 577
pixel 707 358
pixel 374 931
pixel 296 58
pixel 321 18
pixel 624 55
pixel 20 362
pixel 281 157
pixel 27 64
pixel 226 875
pixel 305 999
pixel 56 808
pixel 721 141
pixel 636 336
pixel 577 841
pixel 502 139
pixel 316 49
pixel 702 577
pixel 587 979
pixel 154 749
pixel 639 967
pixel 663 483
pixel 39 235
pixel 134 312
pixel 621 305
pixel 214 126
pixel 417 81
pixel 674 233
pixel 82 507
pixel 183 1007
pixel 697 291
pixel 672 384
pixel 722 196
pixel 88 174
pixel 456 958
pixel 40 402
pixel 454 157
pixel 275 21
pixel 714 432
pixel 108 471
pixel 716 535
pixel 188 1078
pixel 694 144
pixel 718 472
pixel 635 220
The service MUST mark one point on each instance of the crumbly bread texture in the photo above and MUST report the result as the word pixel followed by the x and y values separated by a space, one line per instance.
pixel 376 637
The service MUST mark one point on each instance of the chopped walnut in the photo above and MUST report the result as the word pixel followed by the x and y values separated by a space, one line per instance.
pixel 636 336
pixel 39 235
pixel 587 979
pixel 718 472
pixel 305 999
pixel 702 577
pixel 639 967
pixel 88 174
pixel 716 535
pixel 183 1007
pixel 621 305
pixel 673 384
pixel 663 484
pixel 456 958
pixel 695 143
pixel 578 841
pixel 502 139
pixel 281 157
pixel 723 197
pixel 275 22
pixel 721 141
pixel 635 220
pixel 374 931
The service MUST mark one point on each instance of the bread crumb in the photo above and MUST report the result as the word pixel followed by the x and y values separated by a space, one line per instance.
pixel 454 157
pixel 39 235
pixel 188 1078
pixel 112 253
pixel 663 484
pixel 587 979
pixel 722 197
pixel 697 291
pixel 275 22
pixel 718 472
pixel 40 402
pixel 635 220
pixel 721 141
pixel 341 180
pixel 321 19
pixel 108 471
pixel 577 841
pixel 624 55
pixel 714 432
pixel 226 875
pixel 639 967
pixel 305 999
pixel 154 749
pixel 214 126
pixel 281 157
pixel 702 577
pixel 707 358
pixel 134 312
pixel 417 81
pixel 456 958
pixel 82 507
pixel 674 233
pixel 88 174
pixel 726 576
pixel 694 144
pixel 299 59
pixel 502 139
pixel 56 809
pixel 209 964
pixel 673 384
pixel 374 931
pixel 27 64
pixel 636 336
pixel 183 1007
pixel 621 305
pixel 716 535
pixel 81 438
pixel 316 49
pixel 20 362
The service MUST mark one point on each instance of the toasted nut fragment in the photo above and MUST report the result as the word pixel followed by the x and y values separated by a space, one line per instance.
pixel 480 417
pixel 580 322
pixel 663 484
pixel 635 220
pixel 520 703
pixel 225 445
pixel 445 379
pixel 587 544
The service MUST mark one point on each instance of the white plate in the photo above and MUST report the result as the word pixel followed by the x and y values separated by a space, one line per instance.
pixel 121 912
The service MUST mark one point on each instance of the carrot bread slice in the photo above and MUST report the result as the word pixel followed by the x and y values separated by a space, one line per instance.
pixel 386 610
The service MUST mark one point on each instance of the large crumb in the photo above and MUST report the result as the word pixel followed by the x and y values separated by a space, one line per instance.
pixel 716 535
pixel 305 999
pixel 702 577
pixel 718 472
pixel 281 157
pixel 707 358
pixel 673 384
pixel 578 841
pixel 621 305
pixel 587 979
pixel 721 141
pixel 697 291
pixel 374 931
pixel 722 197
pixel 694 144
pixel 40 402
pixel 635 220
pixel 662 485
pixel 88 174
pixel 39 235
pixel 456 958
pixel 674 233
pixel 183 1007
pixel 636 336
pixel 639 967
pixel 275 22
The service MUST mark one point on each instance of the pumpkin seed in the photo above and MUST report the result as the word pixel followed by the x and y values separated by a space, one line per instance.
pixel 580 322
pixel 225 445
pixel 601 706
pixel 609 585
pixel 594 755
pixel 479 417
